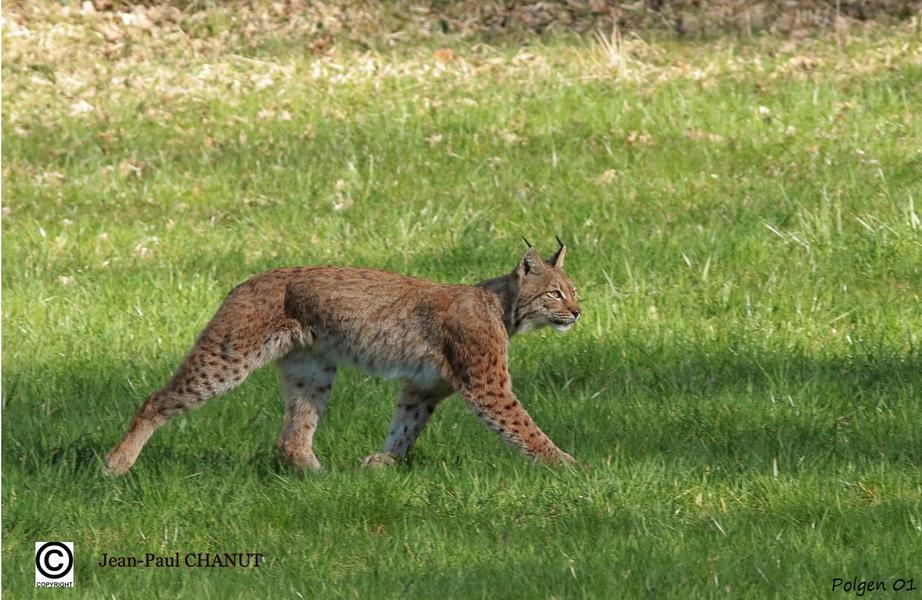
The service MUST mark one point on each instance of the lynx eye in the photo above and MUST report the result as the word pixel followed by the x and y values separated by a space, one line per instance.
pixel 555 294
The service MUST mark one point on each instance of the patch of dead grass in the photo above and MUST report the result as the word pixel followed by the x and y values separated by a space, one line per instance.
pixel 76 62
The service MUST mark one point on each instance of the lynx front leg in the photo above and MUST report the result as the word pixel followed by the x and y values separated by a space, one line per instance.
pixel 306 386
pixel 504 414
pixel 414 408
pixel 481 375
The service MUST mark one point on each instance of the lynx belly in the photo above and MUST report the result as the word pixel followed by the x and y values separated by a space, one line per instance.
pixel 419 368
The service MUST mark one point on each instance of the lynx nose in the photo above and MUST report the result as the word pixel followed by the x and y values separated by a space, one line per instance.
pixel 576 314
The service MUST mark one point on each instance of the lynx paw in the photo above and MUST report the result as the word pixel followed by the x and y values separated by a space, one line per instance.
pixel 304 462
pixel 560 459
pixel 115 465
pixel 566 459
pixel 378 460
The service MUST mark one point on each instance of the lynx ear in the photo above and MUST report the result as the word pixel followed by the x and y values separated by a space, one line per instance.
pixel 530 264
pixel 556 261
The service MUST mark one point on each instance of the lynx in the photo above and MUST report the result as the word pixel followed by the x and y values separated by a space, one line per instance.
pixel 435 338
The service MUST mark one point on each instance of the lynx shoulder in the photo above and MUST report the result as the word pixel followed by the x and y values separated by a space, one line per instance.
pixel 435 338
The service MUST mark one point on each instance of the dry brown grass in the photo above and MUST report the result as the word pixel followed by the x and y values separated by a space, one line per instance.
pixel 72 61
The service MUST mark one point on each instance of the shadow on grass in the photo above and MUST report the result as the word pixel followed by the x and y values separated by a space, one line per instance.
pixel 737 403
pixel 698 404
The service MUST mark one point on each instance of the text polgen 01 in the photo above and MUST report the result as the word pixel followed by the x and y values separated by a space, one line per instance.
pixel 860 588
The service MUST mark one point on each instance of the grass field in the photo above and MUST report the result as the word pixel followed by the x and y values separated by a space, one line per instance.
pixel 742 393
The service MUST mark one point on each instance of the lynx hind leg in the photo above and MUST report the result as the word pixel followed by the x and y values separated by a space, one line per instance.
pixel 479 371
pixel 221 359
pixel 306 385
pixel 414 409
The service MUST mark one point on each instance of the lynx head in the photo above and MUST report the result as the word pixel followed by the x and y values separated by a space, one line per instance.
pixel 546 295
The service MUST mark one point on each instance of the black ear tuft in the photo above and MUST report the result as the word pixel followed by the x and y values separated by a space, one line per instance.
pixel 556 261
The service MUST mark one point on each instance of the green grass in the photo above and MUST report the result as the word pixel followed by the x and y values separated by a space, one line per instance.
pixel 743 393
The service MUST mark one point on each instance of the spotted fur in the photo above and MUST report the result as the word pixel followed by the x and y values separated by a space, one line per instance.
pixel 435 338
